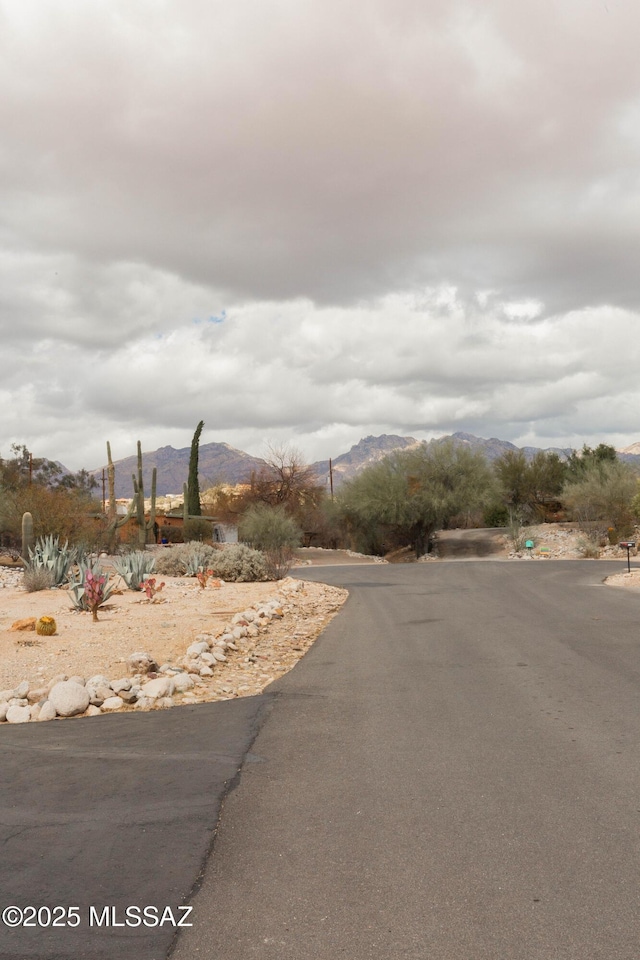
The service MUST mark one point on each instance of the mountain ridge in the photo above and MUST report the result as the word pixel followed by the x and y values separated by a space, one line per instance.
pixel 221 463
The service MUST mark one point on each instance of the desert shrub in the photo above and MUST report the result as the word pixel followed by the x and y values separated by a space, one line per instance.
pixel 184 560
pixel 240 563
pixel 37 578
pixel 171 534
pixel 234 562
pixel 496 515
pixel 197 529
pixel 588 548
pixel 275 533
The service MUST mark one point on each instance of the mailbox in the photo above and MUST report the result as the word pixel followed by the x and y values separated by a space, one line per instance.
pixel 628 545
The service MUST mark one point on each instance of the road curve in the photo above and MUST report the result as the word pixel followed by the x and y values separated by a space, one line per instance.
pixel 452 773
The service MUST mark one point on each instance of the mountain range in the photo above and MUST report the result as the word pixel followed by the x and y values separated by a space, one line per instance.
pixel 221 463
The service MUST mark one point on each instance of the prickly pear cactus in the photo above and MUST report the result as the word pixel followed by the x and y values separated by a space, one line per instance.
pixel 46 627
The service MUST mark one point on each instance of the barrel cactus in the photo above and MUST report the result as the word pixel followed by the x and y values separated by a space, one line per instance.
pixel 46 627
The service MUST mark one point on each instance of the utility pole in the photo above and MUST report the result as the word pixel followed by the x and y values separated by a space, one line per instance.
pixel 331 478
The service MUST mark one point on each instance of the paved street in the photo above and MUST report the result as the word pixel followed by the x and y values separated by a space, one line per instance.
pixel 453 771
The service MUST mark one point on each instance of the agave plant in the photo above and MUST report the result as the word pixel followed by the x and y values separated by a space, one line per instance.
pixel 88 585
pixel 47 554
pixel 134 568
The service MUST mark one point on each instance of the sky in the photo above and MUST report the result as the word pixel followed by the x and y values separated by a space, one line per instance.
pixel 307 221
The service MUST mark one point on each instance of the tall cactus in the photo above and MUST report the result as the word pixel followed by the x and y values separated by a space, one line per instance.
pixel 138 498
pixel 27 535
pixel 114 522
pixel 136 507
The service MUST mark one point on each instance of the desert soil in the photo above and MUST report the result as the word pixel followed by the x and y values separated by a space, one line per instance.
pixel 128 623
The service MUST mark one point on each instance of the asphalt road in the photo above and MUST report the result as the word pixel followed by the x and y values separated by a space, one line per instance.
pixel 451 772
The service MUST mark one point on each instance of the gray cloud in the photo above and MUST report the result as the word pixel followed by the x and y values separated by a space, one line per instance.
pixel 417 216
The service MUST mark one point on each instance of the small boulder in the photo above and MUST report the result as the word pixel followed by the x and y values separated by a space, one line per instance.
pixel 18 714
pixel 141 662
pixel 69 698
pixel 160 687
pixel 112 703
pixel 47 711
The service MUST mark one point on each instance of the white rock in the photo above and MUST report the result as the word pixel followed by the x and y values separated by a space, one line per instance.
pixel 206 671
pixel 59 677
pixel 99 694
pixel 69 698
pixel 182 682
pixel 21 690
pixel 144 703
pixel 37 694
pixel 208 659
pixel 112 703
pixel 93 711
pixel 252 630
pixel 98 681
pixel 34 711
pixel 47 711
pixel 18 714
pixel 141 662
pixel 5 695
pixel 164 703
pixel 77 679
pixel 160 687
pixel 18 702
pixel 4 706
pixel 218 654
pixel 119 685
pixel 196 648
pixel 239 632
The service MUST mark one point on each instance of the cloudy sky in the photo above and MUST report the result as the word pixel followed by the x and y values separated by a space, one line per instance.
pixel 310 220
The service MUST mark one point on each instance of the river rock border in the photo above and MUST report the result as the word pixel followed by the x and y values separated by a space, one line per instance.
pixel 149 685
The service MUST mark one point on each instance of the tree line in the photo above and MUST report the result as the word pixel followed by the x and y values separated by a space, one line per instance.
pixel 400 501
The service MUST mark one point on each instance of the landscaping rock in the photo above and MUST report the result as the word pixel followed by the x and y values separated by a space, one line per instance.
pixel 69 698
pixel 112 703
pixel 18 715
pixel 156 689
pixel 47 711
pixel 141 663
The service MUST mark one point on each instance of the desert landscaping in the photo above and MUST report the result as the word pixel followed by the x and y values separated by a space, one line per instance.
pixel 188 644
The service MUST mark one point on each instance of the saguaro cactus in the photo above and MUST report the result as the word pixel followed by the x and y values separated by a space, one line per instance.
pixel 138 497
pixel 27 535
pixel 114 521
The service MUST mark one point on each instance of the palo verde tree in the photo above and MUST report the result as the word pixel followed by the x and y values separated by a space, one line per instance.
pixel 407 496
pixel 601 498
pixel 527 484
pixel 193 507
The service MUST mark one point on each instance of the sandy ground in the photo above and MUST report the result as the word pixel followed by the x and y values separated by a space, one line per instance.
pixel 129 623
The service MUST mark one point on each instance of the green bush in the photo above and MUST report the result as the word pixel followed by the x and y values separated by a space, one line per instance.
pixel 274 532
pixel 197 529
pixel 171 534
pixel 496 515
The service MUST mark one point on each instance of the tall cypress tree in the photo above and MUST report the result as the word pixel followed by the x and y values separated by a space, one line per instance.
pixel 193 486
